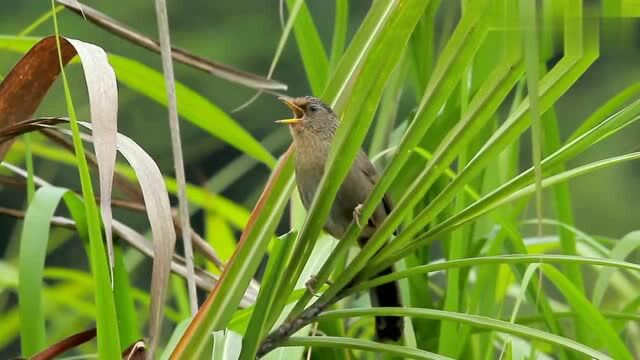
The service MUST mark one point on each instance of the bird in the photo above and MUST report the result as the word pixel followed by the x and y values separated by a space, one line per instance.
pixel 312 128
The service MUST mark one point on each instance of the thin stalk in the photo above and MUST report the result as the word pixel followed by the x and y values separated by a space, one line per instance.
pixel 176 146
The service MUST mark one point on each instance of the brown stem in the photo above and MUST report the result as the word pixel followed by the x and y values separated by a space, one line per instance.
pixel 291 326
pixel 65 344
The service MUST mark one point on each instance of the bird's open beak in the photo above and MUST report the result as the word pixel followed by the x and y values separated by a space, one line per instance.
pixel 298 113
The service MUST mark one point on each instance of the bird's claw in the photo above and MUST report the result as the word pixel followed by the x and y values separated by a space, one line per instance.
pixel 357 213
pixel 311 284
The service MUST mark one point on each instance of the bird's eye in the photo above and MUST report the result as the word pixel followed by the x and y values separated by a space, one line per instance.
pixel 313 108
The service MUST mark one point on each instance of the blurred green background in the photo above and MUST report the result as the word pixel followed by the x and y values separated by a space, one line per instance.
pixel 245 34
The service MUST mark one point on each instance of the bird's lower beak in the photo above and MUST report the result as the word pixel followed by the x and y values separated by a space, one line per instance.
pixel 298 113
pixel 288 121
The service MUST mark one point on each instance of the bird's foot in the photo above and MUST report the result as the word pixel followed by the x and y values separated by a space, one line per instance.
pixel 357 213
pixel 312 283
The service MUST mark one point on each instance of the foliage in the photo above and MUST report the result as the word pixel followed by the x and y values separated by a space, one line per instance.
pixel 477 280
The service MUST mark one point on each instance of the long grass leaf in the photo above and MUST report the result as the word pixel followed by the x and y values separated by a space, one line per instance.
pixel 108 338
pixel 33 246
pixel 314 56
pixel 378 348
pixel 588 313
pixel 474 320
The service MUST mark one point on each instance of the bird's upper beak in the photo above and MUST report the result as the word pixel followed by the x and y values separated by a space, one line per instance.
pixel 298 113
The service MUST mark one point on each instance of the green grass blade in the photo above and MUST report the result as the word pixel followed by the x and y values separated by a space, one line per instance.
pixel 314 56
pixel 359 110
pixel 528 20
pixel 340 27
pixel 33 247
pixel 606 110
pixel 623 248
pixel 473 320
pixel 589 313
pixel 219 308
pixel 379 348
pixel 268 292
pixel 191 106
pixel 475 210
pixel 441 85
pixel 108 338
pixel 40 20
pixel 235 213
pixel 125 307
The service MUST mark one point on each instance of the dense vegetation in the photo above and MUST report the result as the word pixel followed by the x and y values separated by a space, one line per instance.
pixel 491 122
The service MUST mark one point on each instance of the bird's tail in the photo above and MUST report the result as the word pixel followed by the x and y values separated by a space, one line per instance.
pixel 388 328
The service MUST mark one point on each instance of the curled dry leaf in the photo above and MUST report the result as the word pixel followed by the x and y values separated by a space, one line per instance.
pixel 22 91
pixel 25 86
pixel 215 68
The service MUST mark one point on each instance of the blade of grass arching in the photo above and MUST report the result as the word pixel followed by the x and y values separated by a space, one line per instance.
pixel 339 38
pixel 607 109
pixel 473 320
pixel 279 257
pixel 442 83
pixel 178 162
pixel 40 20
pixel 531 269
pixel 218 309
pixel 623 248
pixel 334 342
pixel 366 91
pixel 314 56
pixel 495 200
pixel 191 105
pixel 528 19
pixel 108 338
pixel 293 14
pixel 125 307
pixel 516 259
pixel 33 245
pixel 588 312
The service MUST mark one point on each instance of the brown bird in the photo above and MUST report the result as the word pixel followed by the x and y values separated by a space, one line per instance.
pixel 313 126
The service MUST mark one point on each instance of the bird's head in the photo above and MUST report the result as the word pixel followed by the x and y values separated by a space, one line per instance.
pixel 311 117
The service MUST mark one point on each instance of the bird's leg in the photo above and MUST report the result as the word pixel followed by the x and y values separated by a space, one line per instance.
pixel 312 283
pixel 357 212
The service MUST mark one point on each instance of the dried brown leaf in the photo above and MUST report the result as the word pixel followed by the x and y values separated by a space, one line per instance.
pixel 25 86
